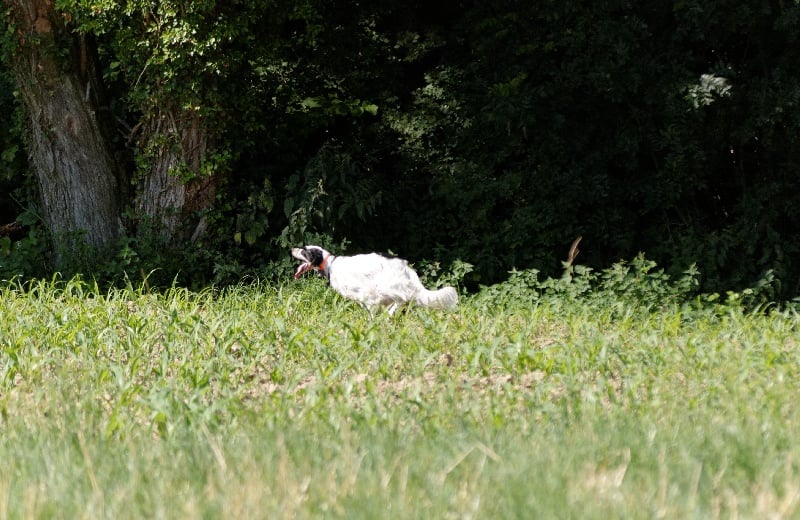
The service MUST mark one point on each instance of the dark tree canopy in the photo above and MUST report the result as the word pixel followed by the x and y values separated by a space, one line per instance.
pixel 491 132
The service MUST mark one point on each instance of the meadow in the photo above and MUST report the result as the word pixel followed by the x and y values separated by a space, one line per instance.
pixel 599 395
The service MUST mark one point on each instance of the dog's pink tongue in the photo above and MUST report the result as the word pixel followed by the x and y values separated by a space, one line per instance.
pixel 302 268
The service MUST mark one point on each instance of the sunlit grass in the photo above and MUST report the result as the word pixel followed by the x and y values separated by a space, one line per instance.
pixel 288 401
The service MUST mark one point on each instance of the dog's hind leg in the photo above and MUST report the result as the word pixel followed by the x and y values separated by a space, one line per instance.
pixel 369 310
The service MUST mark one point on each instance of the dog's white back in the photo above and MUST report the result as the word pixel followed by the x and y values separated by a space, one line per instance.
pixel 375 280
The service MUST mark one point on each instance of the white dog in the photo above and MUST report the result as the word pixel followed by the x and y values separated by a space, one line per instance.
pixel 373 280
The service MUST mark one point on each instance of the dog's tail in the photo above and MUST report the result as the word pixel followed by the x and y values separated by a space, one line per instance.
pixel 444 298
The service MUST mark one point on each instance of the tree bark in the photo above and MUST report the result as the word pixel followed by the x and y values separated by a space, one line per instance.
pixel 173 193
pixel 81 186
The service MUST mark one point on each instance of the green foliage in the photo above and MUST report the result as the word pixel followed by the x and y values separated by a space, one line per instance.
pixel 332 188
pixel 638 284
pixel 434 274
pixel 28 257
pixel 15 189
pixel 494 133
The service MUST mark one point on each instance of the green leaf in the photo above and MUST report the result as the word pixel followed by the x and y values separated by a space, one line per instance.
pixel 311 102
pixel 9 153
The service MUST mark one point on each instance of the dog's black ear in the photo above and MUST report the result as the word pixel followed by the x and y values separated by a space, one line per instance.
pixel 313 255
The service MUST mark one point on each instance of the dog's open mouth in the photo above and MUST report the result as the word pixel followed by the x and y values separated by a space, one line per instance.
pixel 297 253
pixel 302 268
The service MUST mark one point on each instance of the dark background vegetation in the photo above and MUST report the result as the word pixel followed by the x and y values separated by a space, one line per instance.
pixel 490 132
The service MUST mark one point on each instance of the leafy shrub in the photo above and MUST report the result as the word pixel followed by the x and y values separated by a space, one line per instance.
pixel 637 284
pixel 433 274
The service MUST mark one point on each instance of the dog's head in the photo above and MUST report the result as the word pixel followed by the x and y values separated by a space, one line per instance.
pixel 312 257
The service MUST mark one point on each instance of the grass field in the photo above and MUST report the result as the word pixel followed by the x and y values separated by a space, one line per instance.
pixel 618 401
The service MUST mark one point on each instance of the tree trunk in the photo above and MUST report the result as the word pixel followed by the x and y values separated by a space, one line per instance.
pixel 173 193
pixel 81 187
